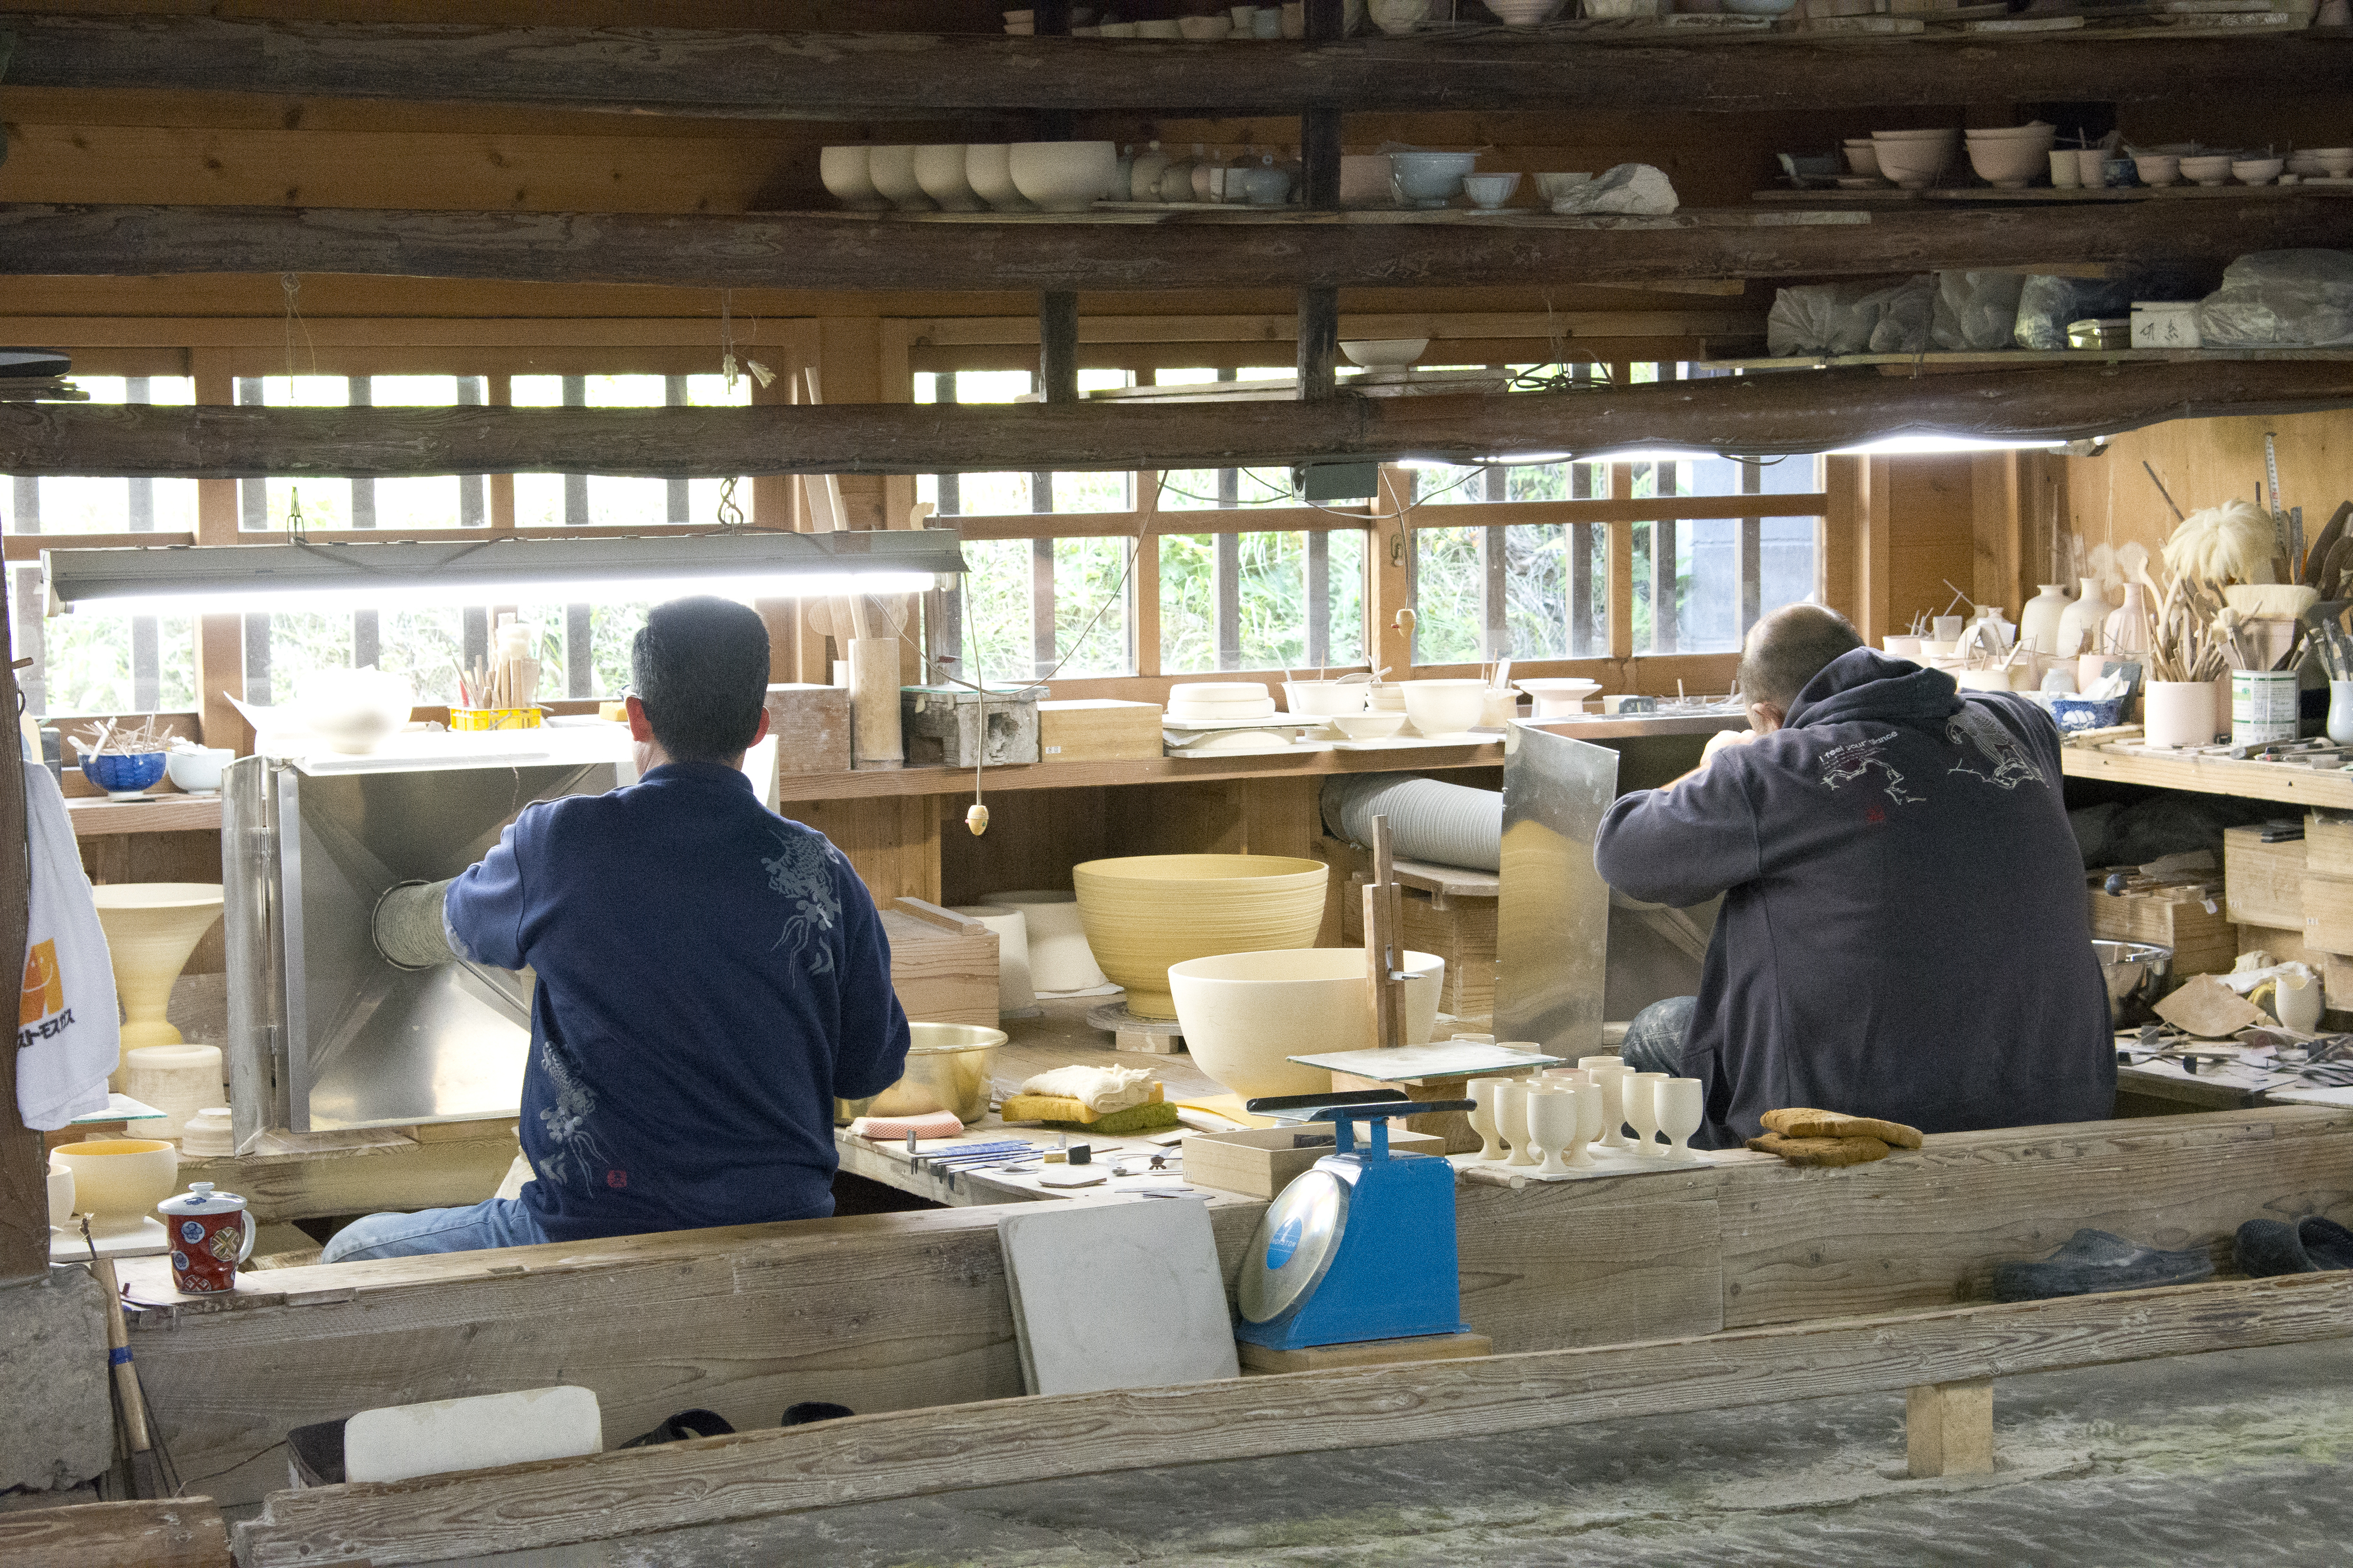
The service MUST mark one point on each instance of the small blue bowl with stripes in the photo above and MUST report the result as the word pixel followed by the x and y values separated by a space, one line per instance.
pixel 122 776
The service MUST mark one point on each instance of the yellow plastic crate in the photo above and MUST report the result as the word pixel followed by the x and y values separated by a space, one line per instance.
pixel 494 719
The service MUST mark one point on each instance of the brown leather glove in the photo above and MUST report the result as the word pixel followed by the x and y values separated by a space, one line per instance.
pixel 1800 1121
pixel 1820 1150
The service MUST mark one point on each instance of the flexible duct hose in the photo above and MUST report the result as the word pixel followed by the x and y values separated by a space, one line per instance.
pixel 408 924
pixel 1448 823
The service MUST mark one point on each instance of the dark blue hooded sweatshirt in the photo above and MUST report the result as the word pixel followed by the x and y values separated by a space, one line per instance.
pixel 1904 931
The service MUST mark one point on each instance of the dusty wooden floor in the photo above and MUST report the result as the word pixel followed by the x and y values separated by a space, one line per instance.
pixel 2233 1458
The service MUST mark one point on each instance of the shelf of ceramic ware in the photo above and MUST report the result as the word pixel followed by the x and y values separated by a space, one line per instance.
pixel 1238 215
pixel 1880 194
pixel 2206 774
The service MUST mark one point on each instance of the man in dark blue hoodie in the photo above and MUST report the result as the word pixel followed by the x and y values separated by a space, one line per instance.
pixel 1904 931
pixel 710 974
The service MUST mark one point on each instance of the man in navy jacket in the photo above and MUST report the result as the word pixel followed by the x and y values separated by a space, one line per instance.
pixel 1904 931
pixel 710 974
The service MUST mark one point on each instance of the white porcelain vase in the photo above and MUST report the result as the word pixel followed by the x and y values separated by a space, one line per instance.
pixel 2038 624
pixel 2080 622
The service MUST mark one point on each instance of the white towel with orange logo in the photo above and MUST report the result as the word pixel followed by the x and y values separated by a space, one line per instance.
pixel 68 1033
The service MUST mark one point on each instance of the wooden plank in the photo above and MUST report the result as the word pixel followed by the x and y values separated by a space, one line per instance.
pixel 921 1453
pixel 1759 415
pixel 96 817
pixel 1926 1229
pixel 2262 884
pixel 1286 248
pixel 764 74
pixel 389 1171
pixel 1364 1352
pixel 2212 775
pixel 176 1532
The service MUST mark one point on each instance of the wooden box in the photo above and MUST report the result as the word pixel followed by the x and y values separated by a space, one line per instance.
pixel 811 724
pixel 2327 912
pixel 2182 916
pixel 2328 842
pixel 1462 933
pixel 2262 884
pixel 1097 730
pixel 942 966
pixel 1259 1162
pixel 946 726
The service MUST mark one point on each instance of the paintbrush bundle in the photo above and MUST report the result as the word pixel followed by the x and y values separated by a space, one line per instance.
pixel 2191 641
pixel 502 692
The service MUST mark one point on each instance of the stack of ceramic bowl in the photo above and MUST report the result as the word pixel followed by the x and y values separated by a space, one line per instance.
pixel 1326 699
pixel 1915 159
pixel 1430 179
pixel 1862 155
pixel 1524 13
pixel 2011 157
pixel 1216 701
pixel 2321 163
pixel 957 177
pixel 2256 171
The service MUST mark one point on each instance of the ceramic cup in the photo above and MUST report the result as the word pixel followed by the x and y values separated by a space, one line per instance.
pixel 2298 1006
pixel 1483 1091
pixel 1611 1082
pixel 2066 173
pixel 1592 1106
pixel 1682 1105
pixel 1512 1120
pixel 2178 713
pixel 211 1234
pixel 1643 1110
pixel 1553 1124
pixel 2092 168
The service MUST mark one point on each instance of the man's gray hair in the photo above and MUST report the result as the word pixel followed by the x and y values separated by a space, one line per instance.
pixel 1789 647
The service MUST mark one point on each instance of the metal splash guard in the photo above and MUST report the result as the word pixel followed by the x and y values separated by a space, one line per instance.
pixel 1552 919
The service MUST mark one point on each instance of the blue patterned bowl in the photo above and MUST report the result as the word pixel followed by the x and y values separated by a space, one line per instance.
pixel 122 776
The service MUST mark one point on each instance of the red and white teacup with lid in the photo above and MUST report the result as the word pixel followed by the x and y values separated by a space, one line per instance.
pixel 211 1234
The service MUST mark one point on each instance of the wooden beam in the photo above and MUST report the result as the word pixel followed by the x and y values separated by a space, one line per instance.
pixel 919 1453
pixel 24 1239
pixel 176 1532
pixel 786 75
pixel 1794 412
pixel 1224 249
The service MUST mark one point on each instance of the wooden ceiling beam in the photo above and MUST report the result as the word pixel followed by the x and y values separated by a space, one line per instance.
pixel 859 252
pixel 1786 412
pixel 808 76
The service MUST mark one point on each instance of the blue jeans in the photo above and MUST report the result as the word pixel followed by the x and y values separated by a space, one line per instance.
pixel 1654 1040
pixel 495 1221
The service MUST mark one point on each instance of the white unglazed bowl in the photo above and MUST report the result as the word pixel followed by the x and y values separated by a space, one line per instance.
pixel 988 170
pixel 1326 699
pixel 892 170
pixel 1441 708
pixel 939 170
pixel 1384 354
pixel 1064 176
pixel 1244 1012
pixel 198 772
pixel 846 179
pixel 1367 726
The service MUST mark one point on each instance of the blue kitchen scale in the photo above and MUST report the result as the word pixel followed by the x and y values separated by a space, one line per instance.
pixel 1361 1246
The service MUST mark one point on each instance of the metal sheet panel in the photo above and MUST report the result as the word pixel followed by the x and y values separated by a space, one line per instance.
pixel 369 1044
pixel 250 930
pixel 1552 919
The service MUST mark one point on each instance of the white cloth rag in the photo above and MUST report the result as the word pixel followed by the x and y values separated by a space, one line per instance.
pixel 1101 1090
pixel 68 1033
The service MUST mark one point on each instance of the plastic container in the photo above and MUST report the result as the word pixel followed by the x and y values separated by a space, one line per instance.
pixel 2263 706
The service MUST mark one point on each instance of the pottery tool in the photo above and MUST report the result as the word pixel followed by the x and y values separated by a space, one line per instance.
pixel 1384 917
pixel 146 1471
pixel 1361 1246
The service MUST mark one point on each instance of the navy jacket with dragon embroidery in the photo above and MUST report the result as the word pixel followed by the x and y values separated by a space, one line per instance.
pixel 710 974
pixel 1904 931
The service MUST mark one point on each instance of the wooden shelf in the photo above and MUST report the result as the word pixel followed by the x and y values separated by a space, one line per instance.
pixel 1692 62
pixel 163 814
pixel 2023 359
pixel 2213 775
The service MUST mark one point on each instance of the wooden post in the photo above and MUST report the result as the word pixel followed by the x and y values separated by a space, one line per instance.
pixel 1319 343
pixel 1388 595
pixel 1384 918
pixel 1949 1428
pixel 1058 346
pixel 24 1184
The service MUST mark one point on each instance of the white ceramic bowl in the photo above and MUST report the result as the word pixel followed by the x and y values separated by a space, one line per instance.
pixel 1862 157
pixel 2207 171
pixel 939 170
pixel 1914 160
pixel 1389 697
pixel 118 1181
pixel 892 170
pixel 846 179
pixel 988 170
pixel 1489 192
pixel 1528 12
pixel 2335 163
pixel 1430 179
pixel 2010 163
pixel 1384 354
pixel 1064 176
pixel 198 772
pixel 1244 1012
pixel 2041 130
pixel 1444 708
pixel 1558 184
pixel 353 709
pixel 1557 696
pixel 2257 171
pixel 1367 726
pixel 1324 699
pixel 2157 169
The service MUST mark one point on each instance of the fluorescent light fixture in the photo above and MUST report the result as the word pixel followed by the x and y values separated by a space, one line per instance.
pixel 1927 446
pixel 293 575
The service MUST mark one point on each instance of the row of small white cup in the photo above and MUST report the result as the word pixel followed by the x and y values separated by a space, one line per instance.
pixel 1556 1114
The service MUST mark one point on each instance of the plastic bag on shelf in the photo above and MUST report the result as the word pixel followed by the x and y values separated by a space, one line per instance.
pixel 1819 319
pixel 2046 304
pixel 2280 298
pixel 1976 310
pixel 1906 312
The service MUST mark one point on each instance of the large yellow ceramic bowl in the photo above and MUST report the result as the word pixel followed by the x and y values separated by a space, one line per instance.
pixel 1146 912
pixel 118 1181
pixel 1245 1013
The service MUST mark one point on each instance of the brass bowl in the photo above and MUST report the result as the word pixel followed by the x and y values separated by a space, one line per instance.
pixel 947 1069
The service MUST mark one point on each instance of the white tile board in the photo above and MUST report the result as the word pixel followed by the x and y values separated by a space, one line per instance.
pixel 1439 1058
pixel 395 1442
pixel 1117 1295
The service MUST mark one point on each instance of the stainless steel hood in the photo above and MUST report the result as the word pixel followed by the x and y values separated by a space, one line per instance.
pixel 1552 919
pixel 325 1032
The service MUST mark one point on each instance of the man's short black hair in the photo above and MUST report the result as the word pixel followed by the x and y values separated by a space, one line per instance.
pixel 1789 647
pixel 701 667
